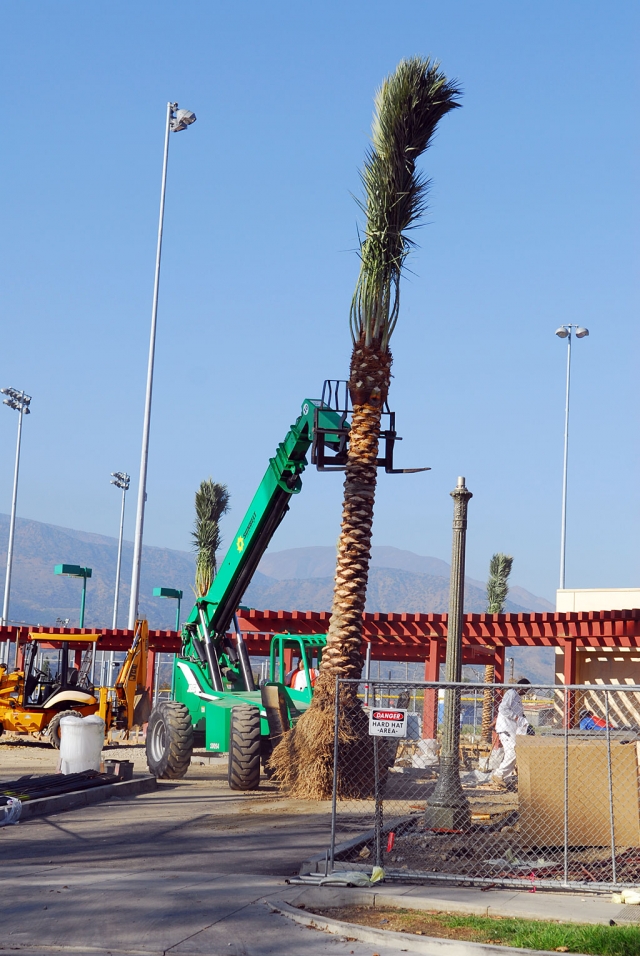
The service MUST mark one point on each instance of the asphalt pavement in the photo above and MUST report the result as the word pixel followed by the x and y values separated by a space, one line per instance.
pixel 188 869
pixel 185 870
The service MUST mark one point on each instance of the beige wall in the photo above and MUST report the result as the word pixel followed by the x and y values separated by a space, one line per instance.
pixel 597 599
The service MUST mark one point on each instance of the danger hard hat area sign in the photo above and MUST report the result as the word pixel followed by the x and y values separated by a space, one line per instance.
pixel 387 723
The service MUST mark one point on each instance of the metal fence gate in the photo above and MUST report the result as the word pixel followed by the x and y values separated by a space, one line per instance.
pixel 568 816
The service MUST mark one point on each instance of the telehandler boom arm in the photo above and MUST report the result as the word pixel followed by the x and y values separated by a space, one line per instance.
pixel 204 635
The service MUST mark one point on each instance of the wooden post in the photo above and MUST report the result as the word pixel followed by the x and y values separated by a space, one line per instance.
pixel 569 677
pixel 430 703
pixel 498 676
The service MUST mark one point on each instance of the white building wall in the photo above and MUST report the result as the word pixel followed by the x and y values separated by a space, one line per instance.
pixel 597 599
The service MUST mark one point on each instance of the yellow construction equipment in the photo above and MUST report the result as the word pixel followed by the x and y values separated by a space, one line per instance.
pixel 32 701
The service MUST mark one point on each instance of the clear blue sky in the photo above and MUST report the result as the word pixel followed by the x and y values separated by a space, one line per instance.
pixel 532 223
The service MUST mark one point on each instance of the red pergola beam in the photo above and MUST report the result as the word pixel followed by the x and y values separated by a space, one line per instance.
pixel 586 628
pixel 400 637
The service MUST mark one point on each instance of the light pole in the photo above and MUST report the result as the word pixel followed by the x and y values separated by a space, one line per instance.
pixel 76 571
pixel 448 806
pixel 176 120
pixel 19 401
pixel 174 593
pixel 121 480
pixel 564 332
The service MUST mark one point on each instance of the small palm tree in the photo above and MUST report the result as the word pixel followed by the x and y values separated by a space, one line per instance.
pixel 212 502
pixel 408 107
pixel 497 590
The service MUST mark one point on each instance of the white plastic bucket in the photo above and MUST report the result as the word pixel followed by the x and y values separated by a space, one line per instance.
pixel 81 743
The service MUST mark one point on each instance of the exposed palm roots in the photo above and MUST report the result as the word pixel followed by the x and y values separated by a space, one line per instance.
pixel 303 760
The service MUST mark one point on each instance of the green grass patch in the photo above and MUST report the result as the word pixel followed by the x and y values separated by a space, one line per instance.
pixel 523 933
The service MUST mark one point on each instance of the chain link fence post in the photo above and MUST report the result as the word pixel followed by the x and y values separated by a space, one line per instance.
pixel 557 807
pixel 334 796
pixel 610 782
pixel 378 812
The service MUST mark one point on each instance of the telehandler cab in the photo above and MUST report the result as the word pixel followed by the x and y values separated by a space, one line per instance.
pixel 214 695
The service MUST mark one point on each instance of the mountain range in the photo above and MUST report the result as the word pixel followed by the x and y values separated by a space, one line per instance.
pixel 398 581
pixel 296 578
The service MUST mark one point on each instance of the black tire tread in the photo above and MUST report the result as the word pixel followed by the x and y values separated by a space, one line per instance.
pixel 54 726
pixel 179 730
pixel 245 746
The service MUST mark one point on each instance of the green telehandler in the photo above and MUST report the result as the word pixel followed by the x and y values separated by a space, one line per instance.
pixel 214 698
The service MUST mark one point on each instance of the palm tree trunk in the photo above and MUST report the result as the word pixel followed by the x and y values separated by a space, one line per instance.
pixel 487 702
pixel 303 760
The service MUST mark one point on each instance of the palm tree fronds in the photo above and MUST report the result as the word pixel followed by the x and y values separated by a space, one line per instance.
pixel 408 107
pixel 497 585
pixel 212 502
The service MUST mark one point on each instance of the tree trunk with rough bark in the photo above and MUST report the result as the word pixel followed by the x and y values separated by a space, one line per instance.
pixel 408 107
pixel 487 702
pixel 303 760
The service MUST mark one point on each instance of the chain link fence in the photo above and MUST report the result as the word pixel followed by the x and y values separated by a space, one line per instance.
pixel 543 789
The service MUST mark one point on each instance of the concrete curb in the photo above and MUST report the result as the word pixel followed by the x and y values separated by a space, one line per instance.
pixel 84 798
pixel 79 951
pixel 427 945
pixel 470 902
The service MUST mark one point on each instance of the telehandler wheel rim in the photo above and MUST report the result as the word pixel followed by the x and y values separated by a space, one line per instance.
pixel 158 740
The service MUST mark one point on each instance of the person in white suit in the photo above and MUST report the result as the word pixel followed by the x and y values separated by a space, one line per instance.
pixel 510 723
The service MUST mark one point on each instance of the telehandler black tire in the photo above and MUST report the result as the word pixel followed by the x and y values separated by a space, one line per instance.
pixel 53 727
pixel 169 740
pixel 244 748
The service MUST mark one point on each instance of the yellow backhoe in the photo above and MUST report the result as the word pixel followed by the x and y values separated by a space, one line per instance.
pixel 33 702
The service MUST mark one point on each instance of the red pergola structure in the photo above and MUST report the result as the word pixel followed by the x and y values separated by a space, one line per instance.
pixel 401 637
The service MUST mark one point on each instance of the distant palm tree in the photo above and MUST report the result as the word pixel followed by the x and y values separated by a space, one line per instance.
pixel 212 502
pixel 408 107
pixel 497 590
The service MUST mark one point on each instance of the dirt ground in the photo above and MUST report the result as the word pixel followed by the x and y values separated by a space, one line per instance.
pixel 207 774
pixel 402 921
pixel 21 754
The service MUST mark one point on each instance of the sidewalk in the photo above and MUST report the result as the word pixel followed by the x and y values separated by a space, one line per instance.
pixel 52 909
pixel 472 901
pixel 187 869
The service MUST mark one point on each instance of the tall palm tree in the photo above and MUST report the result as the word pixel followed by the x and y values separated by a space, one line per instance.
pixel 497 590
pixel 212 502
pixel 408 107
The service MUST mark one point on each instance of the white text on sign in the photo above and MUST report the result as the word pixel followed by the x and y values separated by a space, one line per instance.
pixel 388 723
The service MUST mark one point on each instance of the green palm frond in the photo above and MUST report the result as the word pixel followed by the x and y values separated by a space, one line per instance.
pixel 497 585
pixel 212 502
pixel 408 107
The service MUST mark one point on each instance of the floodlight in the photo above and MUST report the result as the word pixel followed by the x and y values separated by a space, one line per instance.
pixel 562 332
pixel 181 120
pixel 120 479
pixel 580 332
pixel 19 401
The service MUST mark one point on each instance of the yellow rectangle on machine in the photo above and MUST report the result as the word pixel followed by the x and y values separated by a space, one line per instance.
pixel 51 636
